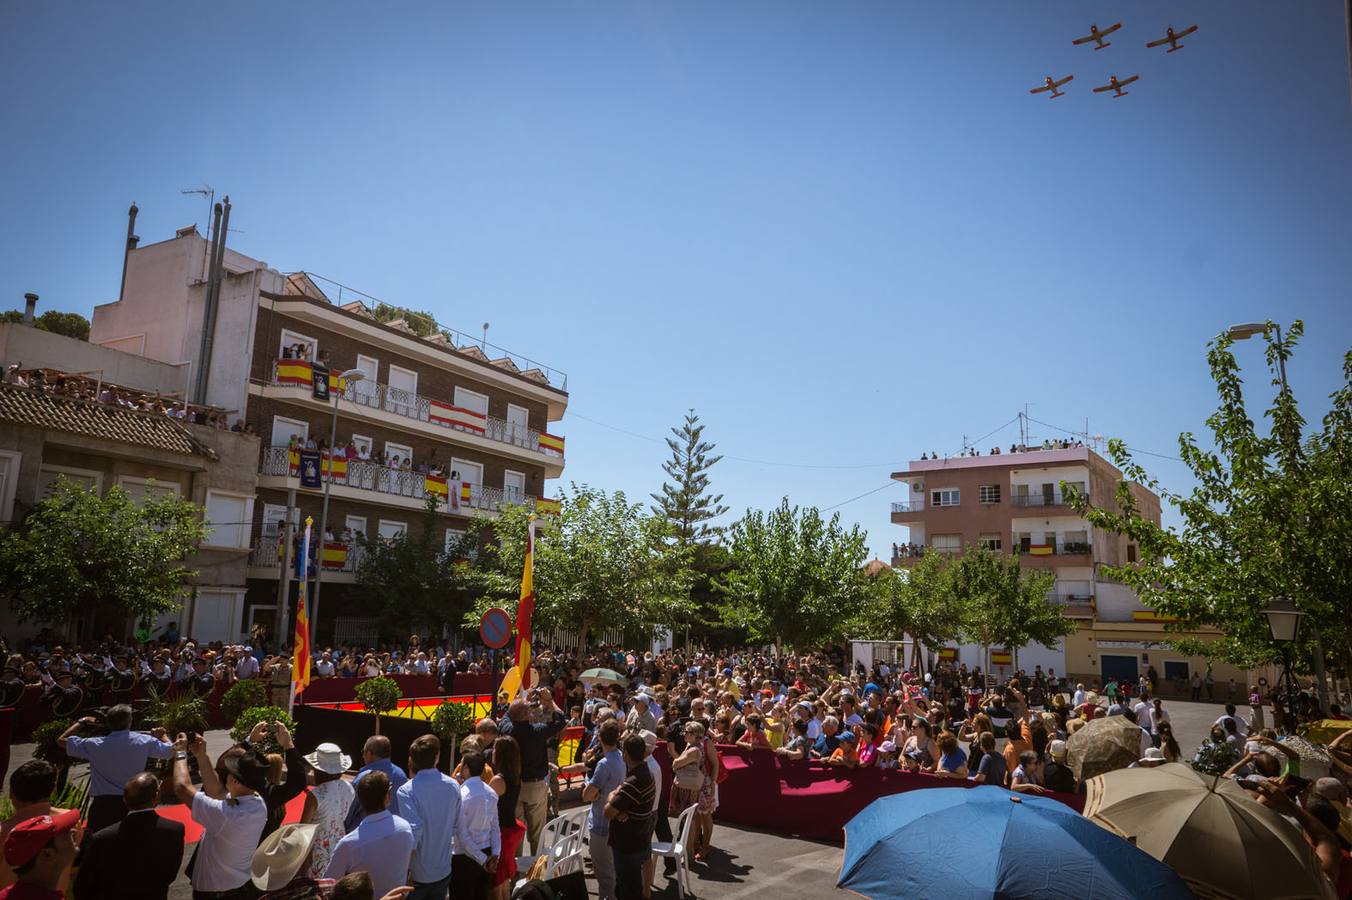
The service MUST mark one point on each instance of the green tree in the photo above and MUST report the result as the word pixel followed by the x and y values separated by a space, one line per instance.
pixel 1005 605
pixel 795 579
pixel 600 564
pixel 918 601
pixel 423 324
pixel 70 324
pixel 685 500
pixel 78 552
pixel 1270 514
pixel 414 582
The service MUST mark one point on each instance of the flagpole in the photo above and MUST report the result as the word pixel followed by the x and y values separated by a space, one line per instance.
pixel 300 654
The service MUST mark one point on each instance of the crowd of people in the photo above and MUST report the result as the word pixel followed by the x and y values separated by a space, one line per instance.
pixel 1059 444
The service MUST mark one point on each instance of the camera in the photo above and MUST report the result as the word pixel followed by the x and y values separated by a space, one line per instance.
pixel 192 737
pixel 97 728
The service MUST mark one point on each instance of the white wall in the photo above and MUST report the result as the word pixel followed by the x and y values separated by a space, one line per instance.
pixel 43 349
pixel 1115 602
pixel 1035 478
pixel 1029 657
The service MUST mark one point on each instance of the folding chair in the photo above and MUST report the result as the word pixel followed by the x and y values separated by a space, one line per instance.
pixel 676 850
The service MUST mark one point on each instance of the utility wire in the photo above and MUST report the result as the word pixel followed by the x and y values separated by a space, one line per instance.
pixel 1080 433
pixel 858 497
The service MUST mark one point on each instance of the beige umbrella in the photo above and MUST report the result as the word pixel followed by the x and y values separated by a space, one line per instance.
pixel 1103 745
pixel 1208 829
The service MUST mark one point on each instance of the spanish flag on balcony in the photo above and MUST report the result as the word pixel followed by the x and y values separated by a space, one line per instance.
pixel 545 506
pixel 1040 549
pixel 1149 615
pixel 339 467
pixel 335 554
pixel 948 654
pixel 1001 657
pixel 436 486
pixel 455 417
pixel 293 462
pixel 551 442
pixel 294 371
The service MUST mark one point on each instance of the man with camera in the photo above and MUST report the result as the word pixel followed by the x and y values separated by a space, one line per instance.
pixel 533 739
pixel 113 759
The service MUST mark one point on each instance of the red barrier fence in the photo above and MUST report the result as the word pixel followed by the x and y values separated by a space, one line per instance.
pixel 344 690
pixel 809 799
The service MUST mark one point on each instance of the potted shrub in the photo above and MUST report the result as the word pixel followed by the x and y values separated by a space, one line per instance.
pixel 178 714
pixel 46 748
pixel 243 695
pixel 379 695
pixel 250 717
pixel 449 721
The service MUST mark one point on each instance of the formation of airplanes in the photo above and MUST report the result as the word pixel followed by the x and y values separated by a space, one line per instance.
pixel 1051 85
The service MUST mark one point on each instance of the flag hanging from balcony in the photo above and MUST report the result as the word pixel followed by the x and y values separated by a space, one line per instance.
pixel 294 371
pixel 1040 549
pixel 293 461
pixel 338 465
pixel 525 607
pixel 551 442
pixel 300 659
pixel 548 507
pixel 335 554
pixel 436 486
pixel 456 417
pixel 1001 657
pixel 319 382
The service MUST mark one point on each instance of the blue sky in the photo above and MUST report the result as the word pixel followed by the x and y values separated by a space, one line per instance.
pixel 844 233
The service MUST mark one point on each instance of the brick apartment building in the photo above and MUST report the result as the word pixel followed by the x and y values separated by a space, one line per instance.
pixel 438 408
pixel 1013 503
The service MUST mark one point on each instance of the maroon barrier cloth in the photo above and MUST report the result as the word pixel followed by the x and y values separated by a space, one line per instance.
pixel 809 799
pixel 344 690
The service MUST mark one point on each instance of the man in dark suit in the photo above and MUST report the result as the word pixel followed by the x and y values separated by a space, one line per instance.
pixel 136 859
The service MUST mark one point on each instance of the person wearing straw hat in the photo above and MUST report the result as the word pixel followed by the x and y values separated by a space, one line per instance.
pixel 279 867
pixel 327 803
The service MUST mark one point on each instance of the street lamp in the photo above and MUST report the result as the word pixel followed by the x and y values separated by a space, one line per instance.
pixel 351 376
pixel 1284 623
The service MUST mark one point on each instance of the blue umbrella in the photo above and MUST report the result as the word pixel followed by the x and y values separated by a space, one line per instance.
pixel 988 842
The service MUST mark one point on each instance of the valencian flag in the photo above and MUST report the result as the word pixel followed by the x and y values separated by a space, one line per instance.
pixel 526 606
pixel 300 659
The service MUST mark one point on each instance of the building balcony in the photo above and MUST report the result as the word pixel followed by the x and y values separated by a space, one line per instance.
pixel 904 511
pixel 341 559
pixel 1051 556
pixel 370 482
pixel 1038 501
pixel 292 379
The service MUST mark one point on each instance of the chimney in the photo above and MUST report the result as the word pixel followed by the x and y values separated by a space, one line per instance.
pixel 132 241
pixel 30 303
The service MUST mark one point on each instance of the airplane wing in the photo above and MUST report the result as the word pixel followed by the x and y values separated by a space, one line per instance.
pixel 1106 87
pixel 1039 90
pixel 1186 31
pixel 1084 40
pixel 1111 28
pixel 1160 43
pixel 1063 80
pixel 1126 81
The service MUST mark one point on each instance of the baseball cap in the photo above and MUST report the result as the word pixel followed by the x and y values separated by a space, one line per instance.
pixel 28 838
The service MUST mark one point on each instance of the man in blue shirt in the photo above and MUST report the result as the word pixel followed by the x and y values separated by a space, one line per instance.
pixel 381 845
pixel 113 760
pixel 376 756
pixel 430 803
pixel 606 777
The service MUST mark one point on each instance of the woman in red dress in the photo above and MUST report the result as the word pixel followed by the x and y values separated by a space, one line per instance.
pixel 507 782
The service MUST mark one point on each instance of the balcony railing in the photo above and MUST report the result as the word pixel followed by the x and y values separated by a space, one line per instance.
pixel 369 476
pixel 1038 500
pixel 339 556
pixel 1068 548
pixel 908 506
pixel 373 395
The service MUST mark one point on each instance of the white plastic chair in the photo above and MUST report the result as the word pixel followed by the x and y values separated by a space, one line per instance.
pixel 561 840
pixel 676 850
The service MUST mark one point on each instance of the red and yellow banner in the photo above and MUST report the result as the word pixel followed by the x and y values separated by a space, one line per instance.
pixel 948 654
pixel 525 607
pixel 455 417
pixel 294 371
pixel 300 659
pixel 551 442
pixel 293 462
pixel 1040 549
pixel 548 507
pixel 1149 615
pixel 335 554
pixel 435 485
pixel 1001 657
pixel 339 466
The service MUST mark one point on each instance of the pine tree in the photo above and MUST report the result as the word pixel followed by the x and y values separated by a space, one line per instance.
pixel 685 500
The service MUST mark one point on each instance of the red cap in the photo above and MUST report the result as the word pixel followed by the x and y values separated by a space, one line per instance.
pixel 29 837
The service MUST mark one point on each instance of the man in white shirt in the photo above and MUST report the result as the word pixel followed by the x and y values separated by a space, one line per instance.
pixel 231 826
pixel 1241 728
pixel 381 845
pixel 1079 697
pixel 478 840
pixel 323 668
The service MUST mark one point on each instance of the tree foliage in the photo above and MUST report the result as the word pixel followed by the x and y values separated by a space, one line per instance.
pixel 917 601
pixel 423 324
pixel 78 552
pixel 685 500
pixel 795 578
pixel 1271 514
pixel 72 325
pixel 414 582
pixel 600 564
pixel 1004 604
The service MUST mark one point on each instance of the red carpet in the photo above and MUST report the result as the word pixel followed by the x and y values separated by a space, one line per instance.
pixel 180 813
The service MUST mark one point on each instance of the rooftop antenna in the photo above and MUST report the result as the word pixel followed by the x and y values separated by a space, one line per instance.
pixel 483 345
pixel 209 192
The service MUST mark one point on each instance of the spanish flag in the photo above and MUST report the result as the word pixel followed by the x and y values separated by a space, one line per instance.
pixel 1001 657
pixel 294 371
pixel 436 486
pixel 293 462
pixel 339 466
pixel 526 606
pixel 1040 549
pixel 551 442
pixel 300 659
pixel 335 554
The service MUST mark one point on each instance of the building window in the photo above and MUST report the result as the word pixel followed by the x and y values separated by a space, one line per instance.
pixel 389 530
pixel 143 489
pixel 1131 553
pixel 1176 670
pixel 1077 487
pixel 990 542
pixel 1075 542
pixel 947 543
pixel 1024 540
pixel 228 519
pixel 294 345
pixel 945 497
pixel 9 478
pixel 989 493
pixel 88 479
